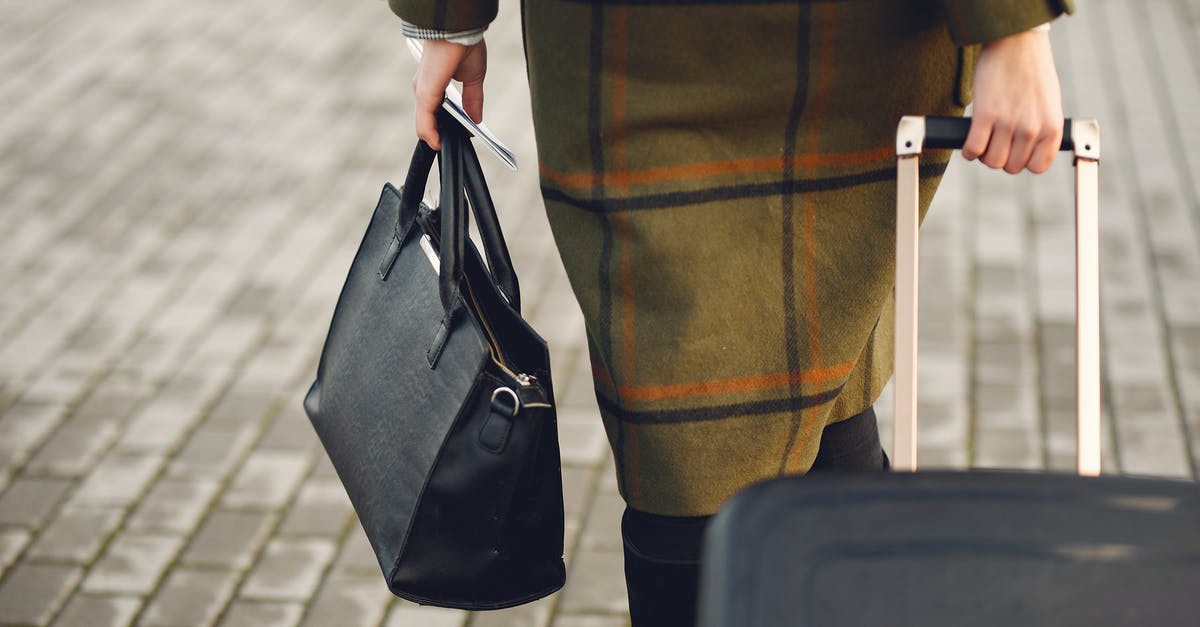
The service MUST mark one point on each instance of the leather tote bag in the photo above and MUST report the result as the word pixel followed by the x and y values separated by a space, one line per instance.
pixel 434 402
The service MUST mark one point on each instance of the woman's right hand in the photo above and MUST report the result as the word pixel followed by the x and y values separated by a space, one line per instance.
pixel 441 62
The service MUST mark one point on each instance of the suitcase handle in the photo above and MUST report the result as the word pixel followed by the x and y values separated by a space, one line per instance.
pixel 951 132
pixel 1082 137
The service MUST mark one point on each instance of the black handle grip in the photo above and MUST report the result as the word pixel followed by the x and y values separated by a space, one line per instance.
pixel 951 133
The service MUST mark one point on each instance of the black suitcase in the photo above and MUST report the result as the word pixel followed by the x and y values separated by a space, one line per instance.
pixel 962 548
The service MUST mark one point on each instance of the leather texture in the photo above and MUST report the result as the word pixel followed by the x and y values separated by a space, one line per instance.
pixel 434 401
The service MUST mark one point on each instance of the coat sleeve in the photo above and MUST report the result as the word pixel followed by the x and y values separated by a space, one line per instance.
pixel 978 21
pixel 452 16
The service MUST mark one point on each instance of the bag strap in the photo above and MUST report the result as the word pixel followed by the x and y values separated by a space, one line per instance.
pixel 494 247
pixel 459 171
pixel 462 179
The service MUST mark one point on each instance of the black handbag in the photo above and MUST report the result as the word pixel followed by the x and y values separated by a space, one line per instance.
pixel 433 399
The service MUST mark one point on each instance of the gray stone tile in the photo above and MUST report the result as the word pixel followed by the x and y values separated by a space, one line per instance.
pixel 26 424
pixel 159 426
pixel 190 597
pixel 349 602
pixel 356 557
pixel 595 583
pixel 174 505
pixel 33 592
pixel 262 614
pixel 1007 448
pixel 212 451
pixel 602 529
pixel 321 508
pixel 290 431
pixel 267 480
pixel 84 610
pixel 406 614
pixel 118 480
pixel 132 564
pixel 228 539
pixel 241 406
pixel 584 620
pixel 71 452
pixel 28 502
pixel 12 542
pixel 76 535
pixel 1153 452
pixel 110 401
pixel 581 436
pixel 536 614
pixel 288 570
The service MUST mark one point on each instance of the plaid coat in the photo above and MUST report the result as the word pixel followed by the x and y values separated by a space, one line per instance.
pixel 719 177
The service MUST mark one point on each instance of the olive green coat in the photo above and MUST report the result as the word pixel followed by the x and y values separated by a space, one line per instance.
pixel 720 179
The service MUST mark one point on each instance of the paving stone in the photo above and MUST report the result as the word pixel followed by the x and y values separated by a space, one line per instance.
pixel 290 431
pixel 356 557
pixel 212 451
pixel 289 570
pixel 85 610
pixel 28 502
pixel 190 597
pixel 410 615
pixel 349 602
pixel 321 508
pixel 581 437
pixel 12 542
pixel 159 426
pixel 174 505
pixel 595 583
pixel 26 424
pixel 228 539
pixel 267 480
pixel 1153 452
pixel 1007 448
pixel 603 526
pixel 572 620
pixel 71 452
pixel 111 401
pixel 241 406
pixel 76 535
pixel 536 614
pixel 118 479
pixel 132 564
pixel 33 592
pixel 262 614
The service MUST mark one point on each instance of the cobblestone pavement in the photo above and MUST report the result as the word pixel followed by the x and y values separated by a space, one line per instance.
pixel 182 185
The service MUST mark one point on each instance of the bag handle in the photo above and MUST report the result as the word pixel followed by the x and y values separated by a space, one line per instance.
pixel 460 172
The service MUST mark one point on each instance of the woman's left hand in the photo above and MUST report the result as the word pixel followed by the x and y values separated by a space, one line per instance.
pixel 1017 117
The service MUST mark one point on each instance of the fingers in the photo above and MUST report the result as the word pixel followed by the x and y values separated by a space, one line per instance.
pixel 1013 146
pixel 977 138
pixel 1046 149
pixel 472 99
pixel 442 61
pixel 429 87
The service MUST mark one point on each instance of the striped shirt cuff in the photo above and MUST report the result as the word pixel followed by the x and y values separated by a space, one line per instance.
pixel 464 38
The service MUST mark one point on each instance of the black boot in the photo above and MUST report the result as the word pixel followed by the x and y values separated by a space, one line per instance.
pixel 662 567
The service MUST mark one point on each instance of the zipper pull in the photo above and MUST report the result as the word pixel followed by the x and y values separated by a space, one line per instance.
pixel 532 394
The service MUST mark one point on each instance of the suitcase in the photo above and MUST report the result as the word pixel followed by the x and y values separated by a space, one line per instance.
pixel 962 548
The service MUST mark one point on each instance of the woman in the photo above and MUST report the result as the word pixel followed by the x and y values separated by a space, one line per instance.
pixel 719 178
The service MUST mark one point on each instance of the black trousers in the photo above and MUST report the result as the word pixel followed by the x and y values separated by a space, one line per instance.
pixel 662 553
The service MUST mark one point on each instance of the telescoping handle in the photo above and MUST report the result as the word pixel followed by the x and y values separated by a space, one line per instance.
pixel 1082 137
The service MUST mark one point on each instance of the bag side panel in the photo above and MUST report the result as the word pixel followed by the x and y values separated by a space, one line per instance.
pixel 382 413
